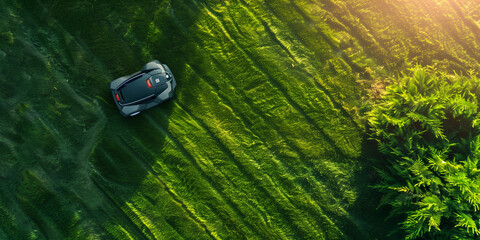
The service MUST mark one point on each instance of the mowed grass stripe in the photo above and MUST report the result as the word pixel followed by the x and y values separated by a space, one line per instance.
pixel 460 8
pixel 255 124
pixel 149 204
pixel 295 169
pixel 286 91
pixel 295 194
pixel 398 36
pixel 220 140
pixel 235 176
pixel 160 228
pixel 212 83
pixel 216 190
pixel 300 167
pixel 231 133
pixel 287 166
pixel 137 205
pixel 273 105
pixel 295 166
pixel 344 82
pixel 105 186
pixel 126 217
pixel 253 60
pixel 304 84
pixel 239 102
pixel 199 98
pixel 153 150
pixel 219 202
pixel 297 52
pixel 218 159
pixel 454 29
pixel 291 166
pixel 276 197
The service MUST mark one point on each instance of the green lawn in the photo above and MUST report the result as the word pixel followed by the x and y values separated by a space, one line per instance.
pixel 263 140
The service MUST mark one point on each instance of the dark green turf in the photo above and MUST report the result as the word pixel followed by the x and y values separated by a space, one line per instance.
pixel 262 140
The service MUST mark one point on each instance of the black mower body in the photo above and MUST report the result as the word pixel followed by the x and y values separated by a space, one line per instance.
pixel 149 87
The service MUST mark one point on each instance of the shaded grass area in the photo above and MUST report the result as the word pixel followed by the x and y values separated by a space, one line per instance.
pixel 261 141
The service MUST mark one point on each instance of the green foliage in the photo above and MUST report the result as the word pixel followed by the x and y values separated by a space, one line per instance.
pixel 427 128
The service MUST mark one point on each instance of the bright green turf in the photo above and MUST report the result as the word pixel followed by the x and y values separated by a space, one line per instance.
pixel 262 140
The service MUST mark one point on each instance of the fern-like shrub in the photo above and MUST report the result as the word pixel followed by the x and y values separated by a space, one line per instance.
pixel 427 126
